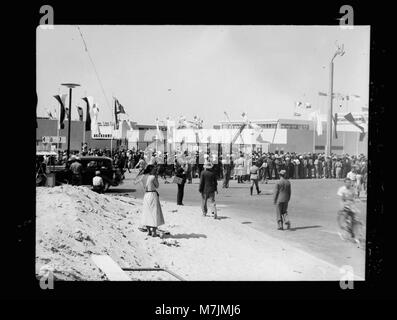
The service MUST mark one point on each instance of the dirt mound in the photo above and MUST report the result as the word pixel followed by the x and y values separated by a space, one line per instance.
pixel 73 222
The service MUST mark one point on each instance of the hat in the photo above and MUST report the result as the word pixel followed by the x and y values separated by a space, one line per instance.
pixel 282 172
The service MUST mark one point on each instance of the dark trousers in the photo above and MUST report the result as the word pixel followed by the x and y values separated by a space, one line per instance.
pixel 179 197
pixel 76 180
pixel 98 189
pixel 254 182
pixel 204 199
pixel 282 216
pixel 276 171
pixel 226 178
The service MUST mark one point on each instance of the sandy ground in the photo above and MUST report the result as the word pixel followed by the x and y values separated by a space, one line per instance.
pixel 73 222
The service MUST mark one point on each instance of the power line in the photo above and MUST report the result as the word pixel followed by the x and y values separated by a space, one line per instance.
pixel 96 72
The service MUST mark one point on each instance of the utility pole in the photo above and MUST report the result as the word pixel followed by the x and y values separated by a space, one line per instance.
pixel 70 86
pixel 340 51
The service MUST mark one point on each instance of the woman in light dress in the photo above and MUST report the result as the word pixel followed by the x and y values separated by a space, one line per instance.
pixel 152 215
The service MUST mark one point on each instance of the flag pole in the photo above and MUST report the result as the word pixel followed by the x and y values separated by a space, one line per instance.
pixel 314 135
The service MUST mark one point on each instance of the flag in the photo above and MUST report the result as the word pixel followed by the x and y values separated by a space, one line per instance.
pixel 130 124
pixel 322 94
pixel 80 112
pixel 335 118
pixel 158 132
pixel 116 113
pixel 67 113
pixel 349 117
pixel 118 107
pixel 90 103
pixel 297 112
pixel 94 124
pixel 315 116
pixel 170 130
pixel 61 100
pixel 355 97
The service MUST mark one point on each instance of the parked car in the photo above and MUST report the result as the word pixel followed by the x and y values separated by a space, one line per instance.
pixel 111 175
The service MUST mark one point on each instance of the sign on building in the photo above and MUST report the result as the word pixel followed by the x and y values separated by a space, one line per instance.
pixel 53 139
pixel 105 131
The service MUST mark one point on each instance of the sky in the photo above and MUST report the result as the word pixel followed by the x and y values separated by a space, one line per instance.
pixel 160 71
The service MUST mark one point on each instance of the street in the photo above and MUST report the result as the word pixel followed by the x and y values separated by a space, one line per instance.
pixel 312 211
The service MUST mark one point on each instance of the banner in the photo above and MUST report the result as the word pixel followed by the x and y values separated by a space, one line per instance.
pixel 61 100
pixel 89 104
pixel 80 112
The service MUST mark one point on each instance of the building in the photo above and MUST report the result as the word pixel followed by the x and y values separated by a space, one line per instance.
pixel 301 136
pixel 107 138
pixel 287 135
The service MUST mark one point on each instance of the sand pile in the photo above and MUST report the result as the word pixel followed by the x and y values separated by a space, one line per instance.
pixel 74 222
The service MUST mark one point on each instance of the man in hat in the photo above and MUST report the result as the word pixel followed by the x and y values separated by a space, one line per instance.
pixel 208 187
pixel 282 195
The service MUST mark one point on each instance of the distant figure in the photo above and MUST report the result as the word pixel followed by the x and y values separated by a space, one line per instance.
pixel 282 195
pixel 239 168
pixel 226 164
pixel 208 187
pixel 76 170
pixel 180 172
pixel 254 177
pixel 97 183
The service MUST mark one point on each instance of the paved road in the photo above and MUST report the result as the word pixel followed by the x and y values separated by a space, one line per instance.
pixel 312 211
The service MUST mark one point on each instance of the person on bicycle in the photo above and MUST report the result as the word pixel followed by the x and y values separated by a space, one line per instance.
pixel 347 196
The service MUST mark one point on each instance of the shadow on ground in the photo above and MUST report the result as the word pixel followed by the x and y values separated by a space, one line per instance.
pixel 186 236
pixel 306 227
pixel 118 191
pixel 222 217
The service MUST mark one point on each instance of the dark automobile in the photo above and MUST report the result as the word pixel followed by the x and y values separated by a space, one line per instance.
pixel 111 176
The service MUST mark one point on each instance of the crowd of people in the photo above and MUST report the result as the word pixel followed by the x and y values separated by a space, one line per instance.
pixel 210 167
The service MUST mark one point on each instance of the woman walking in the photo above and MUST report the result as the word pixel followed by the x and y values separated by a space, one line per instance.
pixel 152 215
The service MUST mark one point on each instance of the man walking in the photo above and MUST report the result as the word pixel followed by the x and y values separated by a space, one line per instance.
pixel 208 187
pixel 282 195
pixel 226 171
pixel 76 170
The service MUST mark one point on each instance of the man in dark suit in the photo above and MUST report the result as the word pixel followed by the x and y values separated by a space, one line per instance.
pixel 282 195
pixel 208 187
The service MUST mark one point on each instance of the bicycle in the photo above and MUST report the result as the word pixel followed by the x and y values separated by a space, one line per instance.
pixel 351 229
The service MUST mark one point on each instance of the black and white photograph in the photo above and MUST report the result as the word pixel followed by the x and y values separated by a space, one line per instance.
pixel 202 152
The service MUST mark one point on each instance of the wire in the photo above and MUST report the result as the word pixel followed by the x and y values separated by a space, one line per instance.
pixel 93 65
